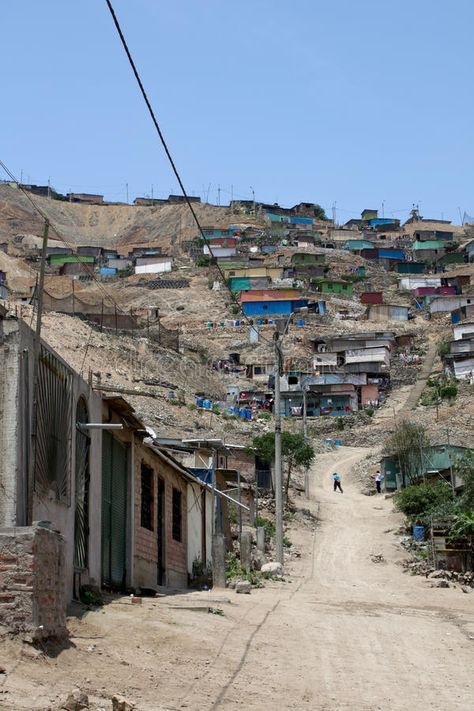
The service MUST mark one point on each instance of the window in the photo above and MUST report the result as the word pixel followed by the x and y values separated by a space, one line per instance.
pixel 292 380
pixel 265 307
pixel 146 519
pixel 176 515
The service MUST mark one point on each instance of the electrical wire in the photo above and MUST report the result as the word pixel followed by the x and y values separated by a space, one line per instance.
pixel 171 160
pixel 85 267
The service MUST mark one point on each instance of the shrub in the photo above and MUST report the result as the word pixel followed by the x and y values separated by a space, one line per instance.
pixel 269 526
pixel 369 411
pixel 420 501
pixel 448 391
pixel 443 348
pixel 264 416
pixel 203 261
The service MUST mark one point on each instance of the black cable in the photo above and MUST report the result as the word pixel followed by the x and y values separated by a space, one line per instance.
pixel 170 158
pixel 53 228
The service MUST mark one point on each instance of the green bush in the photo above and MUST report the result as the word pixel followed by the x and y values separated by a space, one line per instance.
pixel 269 526
pixel 369 411
pixel 340 423
pixel 443 348
pixel 235 571
pixel 421 501
pixel 264 416
pixel 448 391
pixel 203 261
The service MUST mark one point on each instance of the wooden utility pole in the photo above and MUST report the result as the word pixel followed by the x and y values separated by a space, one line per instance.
pixel 36 357
pixel 41 283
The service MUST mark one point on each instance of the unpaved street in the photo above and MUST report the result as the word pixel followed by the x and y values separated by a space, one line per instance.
pixel 344 634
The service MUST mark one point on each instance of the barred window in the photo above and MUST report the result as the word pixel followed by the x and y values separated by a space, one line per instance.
pixel 176 514
pixel 146 519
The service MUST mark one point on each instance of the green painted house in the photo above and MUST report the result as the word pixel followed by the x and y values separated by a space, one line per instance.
pixel 356 245
pixel 57 260
pixel 437 463
pixel 333 286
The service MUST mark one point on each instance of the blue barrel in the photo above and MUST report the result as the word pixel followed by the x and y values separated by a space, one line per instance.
pixel 418 533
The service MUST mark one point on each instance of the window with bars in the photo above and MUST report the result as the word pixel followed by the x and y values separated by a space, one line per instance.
pixel 146 519
pixel 176 501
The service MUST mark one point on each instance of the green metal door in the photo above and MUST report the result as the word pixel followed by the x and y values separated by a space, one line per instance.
pixel 114 511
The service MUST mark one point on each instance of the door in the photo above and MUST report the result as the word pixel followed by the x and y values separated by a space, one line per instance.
pixel 81 503
pixel 160 531
pixel 114 511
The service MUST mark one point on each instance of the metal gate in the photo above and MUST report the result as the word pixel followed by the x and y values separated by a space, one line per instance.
pixel 81 513
pixel 114 511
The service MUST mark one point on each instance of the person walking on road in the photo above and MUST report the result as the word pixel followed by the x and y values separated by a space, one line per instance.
pixel 337 482
pixel 378 481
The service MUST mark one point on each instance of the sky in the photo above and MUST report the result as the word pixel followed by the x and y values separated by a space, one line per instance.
pixel 364 104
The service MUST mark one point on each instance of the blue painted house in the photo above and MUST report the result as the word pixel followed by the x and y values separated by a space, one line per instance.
pixel 271 302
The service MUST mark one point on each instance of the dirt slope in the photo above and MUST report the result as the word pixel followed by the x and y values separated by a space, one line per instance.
pixel 342 634
pixel 106 225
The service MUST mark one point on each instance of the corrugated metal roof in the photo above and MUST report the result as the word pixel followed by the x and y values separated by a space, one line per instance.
pixel 270 295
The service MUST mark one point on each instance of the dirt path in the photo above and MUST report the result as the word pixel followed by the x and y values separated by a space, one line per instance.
pixel 344 634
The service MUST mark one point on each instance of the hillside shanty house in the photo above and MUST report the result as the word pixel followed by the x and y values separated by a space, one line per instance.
pixel 357 245
pixel 333 286
pixel 258 366
pixel 433 235
pixel 371 297
pixel 387 312
pixel 410 267
pixel 459 362
pixel 443 304
pixel 436 463
pixel 263 302
pixel 428 251
pixel 153 265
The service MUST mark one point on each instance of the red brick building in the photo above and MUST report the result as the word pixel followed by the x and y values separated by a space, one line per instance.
pixel 160 520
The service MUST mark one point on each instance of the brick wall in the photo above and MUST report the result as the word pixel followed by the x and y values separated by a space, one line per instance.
pixel 146 541
pixel 32 593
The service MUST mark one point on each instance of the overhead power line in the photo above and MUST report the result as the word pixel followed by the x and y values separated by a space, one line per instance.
pixel 170 157
pixel 53 228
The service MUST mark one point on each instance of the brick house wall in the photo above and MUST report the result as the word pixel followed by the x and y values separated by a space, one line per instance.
pixel 145 540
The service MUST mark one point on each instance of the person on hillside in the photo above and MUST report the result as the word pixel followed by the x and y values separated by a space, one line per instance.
pixel 378 481
pixel 337 482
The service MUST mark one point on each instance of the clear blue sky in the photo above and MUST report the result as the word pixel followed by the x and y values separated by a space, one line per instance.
pixel 314 100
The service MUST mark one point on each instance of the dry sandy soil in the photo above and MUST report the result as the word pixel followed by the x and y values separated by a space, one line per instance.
pixel 341 634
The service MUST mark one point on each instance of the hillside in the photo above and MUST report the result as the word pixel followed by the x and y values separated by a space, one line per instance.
pixel 105 225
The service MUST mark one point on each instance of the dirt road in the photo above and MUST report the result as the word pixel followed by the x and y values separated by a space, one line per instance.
pixel 344 634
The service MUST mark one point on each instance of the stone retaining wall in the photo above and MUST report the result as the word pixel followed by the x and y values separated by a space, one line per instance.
pixel 32 585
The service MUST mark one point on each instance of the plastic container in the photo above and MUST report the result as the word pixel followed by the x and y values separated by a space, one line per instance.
pixel 418 533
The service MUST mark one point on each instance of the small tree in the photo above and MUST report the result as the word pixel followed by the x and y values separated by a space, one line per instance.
pixel 464 468
pixel 295 450
pixel 320 213
pixel 421 501
pixel 407 443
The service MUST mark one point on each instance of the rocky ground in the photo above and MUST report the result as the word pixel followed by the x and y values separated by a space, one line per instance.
pixel 345 630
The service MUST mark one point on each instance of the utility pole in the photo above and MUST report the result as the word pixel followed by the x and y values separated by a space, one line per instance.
pixel 278 463
pixel 254 204
pixel 41 283
pixel 36 356
pixel 334 213
pixel 152 191
pixel 219 195
pixel 451 473
pixel 305 434
pixel 126 190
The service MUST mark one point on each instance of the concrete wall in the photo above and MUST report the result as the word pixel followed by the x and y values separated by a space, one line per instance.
pixel 16 407
pixel 194 523
pixel 32 591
